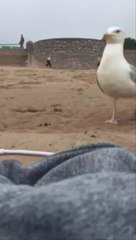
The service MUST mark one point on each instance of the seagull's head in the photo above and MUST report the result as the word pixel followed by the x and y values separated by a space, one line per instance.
pixel 114 35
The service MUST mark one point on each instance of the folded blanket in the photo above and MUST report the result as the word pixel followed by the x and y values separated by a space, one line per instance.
pixel 85 193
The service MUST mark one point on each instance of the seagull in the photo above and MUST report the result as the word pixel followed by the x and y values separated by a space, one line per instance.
pixel 115 76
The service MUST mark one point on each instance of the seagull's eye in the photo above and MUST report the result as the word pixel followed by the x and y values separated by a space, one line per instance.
pixel 117 31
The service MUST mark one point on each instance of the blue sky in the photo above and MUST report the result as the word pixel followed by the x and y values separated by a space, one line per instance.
pixel 41 19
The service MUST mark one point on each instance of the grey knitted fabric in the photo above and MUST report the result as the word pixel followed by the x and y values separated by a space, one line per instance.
pixel 86 193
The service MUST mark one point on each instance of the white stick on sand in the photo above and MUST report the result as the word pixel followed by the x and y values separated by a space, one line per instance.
pixel 24 152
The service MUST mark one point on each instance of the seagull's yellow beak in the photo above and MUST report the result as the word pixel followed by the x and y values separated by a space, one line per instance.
pixel 107 36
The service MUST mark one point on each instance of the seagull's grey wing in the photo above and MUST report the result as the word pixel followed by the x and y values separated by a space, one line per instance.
pixel 132 73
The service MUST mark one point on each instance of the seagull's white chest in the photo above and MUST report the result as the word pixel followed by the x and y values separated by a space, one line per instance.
pixel 113 77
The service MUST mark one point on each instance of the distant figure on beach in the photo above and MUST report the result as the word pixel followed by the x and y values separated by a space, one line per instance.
pixel 22 40
pixel 48 64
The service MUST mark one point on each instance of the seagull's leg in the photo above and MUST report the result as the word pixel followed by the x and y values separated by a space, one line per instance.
pixel 113 120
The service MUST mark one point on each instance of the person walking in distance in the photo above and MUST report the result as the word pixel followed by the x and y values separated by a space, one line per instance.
pixel 22 40
pixel 48 64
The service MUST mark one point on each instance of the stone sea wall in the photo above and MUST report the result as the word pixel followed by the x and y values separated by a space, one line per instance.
pixel 69 53
pixel 73 53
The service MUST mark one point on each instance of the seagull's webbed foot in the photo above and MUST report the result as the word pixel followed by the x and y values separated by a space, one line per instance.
pixel 112 121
